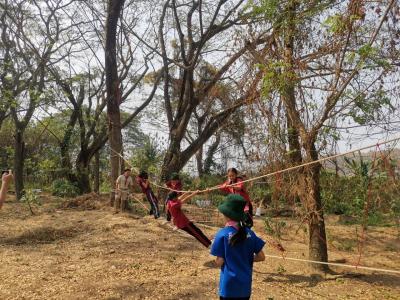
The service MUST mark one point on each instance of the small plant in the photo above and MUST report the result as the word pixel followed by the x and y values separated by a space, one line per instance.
pixel 31 199
pixel 281 269
pixel 273 227
pixel 64 188
pixel 346 245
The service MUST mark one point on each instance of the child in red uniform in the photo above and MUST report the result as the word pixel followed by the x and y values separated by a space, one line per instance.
pixel 174 207
pixel 239 189
pixel 143 181
pixel 175 184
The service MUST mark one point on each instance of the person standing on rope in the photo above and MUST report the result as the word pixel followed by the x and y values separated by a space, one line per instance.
pixel 123 184
pixel 236 249
pixel 6 178
pixel 143 181
pixel 174 207
pixel 238 188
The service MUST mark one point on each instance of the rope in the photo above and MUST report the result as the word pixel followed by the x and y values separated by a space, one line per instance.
pixel 273 173
pixel 334 264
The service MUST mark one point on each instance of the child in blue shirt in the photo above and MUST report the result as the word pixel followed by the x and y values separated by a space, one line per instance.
pixel 236 248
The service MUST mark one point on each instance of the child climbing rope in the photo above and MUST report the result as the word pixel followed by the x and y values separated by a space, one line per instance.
pixel 236 248
pixel 174 207
pixel 143 181
pixel 239 188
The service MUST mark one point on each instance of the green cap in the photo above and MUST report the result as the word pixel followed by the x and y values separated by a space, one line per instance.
pixel 233 207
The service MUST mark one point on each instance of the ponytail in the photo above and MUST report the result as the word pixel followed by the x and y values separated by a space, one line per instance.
pixel 240 236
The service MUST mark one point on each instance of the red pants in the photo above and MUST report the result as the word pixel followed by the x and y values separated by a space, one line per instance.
pixel 198 234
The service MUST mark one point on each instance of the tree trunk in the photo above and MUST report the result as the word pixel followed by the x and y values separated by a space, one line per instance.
pixel 209 161
pixel 309 178
pixel 312 201
pixel 66 165
pixel 19 157
pixel 82 174
pixel 96 173
pixel 113 91
pixel 199 162
pixel 172 161
pixel 289 96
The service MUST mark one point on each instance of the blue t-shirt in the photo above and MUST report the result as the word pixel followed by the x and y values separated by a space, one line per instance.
pixel 236 272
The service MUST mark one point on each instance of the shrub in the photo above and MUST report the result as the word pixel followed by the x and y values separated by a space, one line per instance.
pixel 64 188
pixel 31 198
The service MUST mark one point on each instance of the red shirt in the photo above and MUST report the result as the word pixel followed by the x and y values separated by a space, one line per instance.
pixel 141 182
pixel 242 191
pixel 176 186
pixel 175 209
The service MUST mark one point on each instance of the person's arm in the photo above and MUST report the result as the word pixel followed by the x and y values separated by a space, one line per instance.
pixel 260 256
pixel 218 249
pixel 238 185
pixel 224 188
pixel 5 182
pixel 185 197
pixel 132 186
pixel 146 183
pixel 117 184
pixel 219 261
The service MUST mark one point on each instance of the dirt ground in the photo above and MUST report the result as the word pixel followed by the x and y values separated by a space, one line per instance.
pixel 67 252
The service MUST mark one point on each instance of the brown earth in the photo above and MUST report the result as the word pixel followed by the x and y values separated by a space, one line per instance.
pixel 87 252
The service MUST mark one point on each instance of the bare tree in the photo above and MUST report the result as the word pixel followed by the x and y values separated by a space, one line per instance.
pixel 188 33
pixel 30 35
pixel 320 74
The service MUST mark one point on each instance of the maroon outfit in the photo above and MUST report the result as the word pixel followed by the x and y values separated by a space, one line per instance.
pixel 149 195
pixel 176 186
pixel 174 207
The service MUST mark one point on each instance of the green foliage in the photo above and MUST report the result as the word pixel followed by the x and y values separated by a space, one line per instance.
pixel 64 188
pixel 369 197
pixel 276 77
pixel 206 181
pixel 148 157
pixel 31 199
pixel 274 227
pixel 259 192
pixel 335 24
pixel 281 269
pixel 371 108
pixel 265 8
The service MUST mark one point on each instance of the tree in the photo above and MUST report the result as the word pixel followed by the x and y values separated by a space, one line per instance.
pixel 321 74
pixel 80 82
pixel 199 26
pixel 26 55
pixel 113 90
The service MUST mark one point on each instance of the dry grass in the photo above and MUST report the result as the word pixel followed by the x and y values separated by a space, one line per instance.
pixel 92 253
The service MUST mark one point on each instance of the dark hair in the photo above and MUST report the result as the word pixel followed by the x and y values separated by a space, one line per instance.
pixel 172 195
pixel 234 170
pixel 174 176
pixel 127 169
pixel 240 236
pixel 143 175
